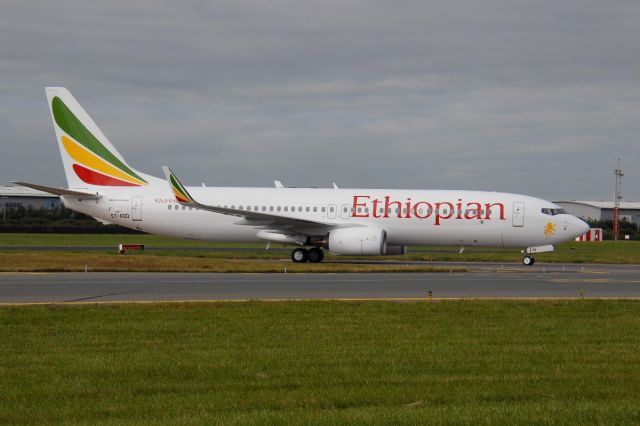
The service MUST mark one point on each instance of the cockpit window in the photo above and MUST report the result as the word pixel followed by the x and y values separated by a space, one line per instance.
pixel 553 212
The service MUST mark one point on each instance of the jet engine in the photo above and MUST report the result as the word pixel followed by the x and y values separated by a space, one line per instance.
pixel 358 241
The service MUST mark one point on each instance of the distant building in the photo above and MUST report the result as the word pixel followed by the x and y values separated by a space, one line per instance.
pixel 12 197
pixel 602 210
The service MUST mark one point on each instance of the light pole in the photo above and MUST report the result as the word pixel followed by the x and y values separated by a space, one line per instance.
pixel 616 201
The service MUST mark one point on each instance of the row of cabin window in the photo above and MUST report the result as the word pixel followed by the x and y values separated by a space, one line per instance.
pixel 331 209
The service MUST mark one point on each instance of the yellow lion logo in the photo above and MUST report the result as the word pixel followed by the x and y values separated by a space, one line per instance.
pixel 550 229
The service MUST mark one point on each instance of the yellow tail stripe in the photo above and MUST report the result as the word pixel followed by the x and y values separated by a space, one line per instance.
pixel 89 159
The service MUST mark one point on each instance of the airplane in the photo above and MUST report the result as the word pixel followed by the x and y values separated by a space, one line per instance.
pixel 354 221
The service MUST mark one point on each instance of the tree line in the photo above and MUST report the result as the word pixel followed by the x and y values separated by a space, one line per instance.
pixel 58 220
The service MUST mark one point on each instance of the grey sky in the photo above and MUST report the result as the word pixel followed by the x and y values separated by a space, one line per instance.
pixel 536 97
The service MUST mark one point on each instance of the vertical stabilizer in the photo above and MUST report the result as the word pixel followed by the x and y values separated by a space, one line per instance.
pixel 89 159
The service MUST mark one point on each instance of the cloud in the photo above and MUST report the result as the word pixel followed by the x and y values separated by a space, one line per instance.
pixel 530 97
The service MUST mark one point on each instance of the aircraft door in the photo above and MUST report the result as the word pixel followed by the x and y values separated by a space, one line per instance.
pixel 518 214
pixel 332 211
pixel 345 211
pixel 136 208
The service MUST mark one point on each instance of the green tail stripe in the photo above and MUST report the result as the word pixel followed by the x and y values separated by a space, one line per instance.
pixel 180 188
pixel 74 128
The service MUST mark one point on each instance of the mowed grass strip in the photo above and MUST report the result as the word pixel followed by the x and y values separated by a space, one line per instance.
pixel 620 252
pixel 326 363
pixel 111 262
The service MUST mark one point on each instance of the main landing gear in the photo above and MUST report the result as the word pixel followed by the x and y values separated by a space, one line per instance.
pixel 313 255
pixel 528 260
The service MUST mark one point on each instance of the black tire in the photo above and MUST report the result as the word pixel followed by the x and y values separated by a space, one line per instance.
pixel 315 255
pixel 299 255
pixel 528 260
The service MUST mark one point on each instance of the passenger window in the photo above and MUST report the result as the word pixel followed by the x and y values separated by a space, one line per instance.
pixel 270 208
pixel 308 208
pixel 279 208
pixel 184 207
pixel 169 206
pixel 324 209
pixel 315 209
pixel 331 209
pixel 286 209
pixel 264 208
pixel 299 209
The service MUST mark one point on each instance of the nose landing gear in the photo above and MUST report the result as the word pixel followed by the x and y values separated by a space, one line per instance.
pixel 528 260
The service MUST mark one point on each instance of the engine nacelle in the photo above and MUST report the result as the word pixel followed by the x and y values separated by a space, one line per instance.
pixel 358 241
pixel 395 250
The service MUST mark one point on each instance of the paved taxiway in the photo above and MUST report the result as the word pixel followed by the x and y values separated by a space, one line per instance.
pixel 484 281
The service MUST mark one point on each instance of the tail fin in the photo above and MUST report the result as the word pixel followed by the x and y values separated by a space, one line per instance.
pixel 88 157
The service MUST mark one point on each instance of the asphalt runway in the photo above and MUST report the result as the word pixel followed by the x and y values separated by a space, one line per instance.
pixel 483 281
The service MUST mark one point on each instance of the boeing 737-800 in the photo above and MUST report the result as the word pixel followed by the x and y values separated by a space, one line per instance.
pixel 361 222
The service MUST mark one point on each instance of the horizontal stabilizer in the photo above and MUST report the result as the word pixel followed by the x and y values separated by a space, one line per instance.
pixel 80 195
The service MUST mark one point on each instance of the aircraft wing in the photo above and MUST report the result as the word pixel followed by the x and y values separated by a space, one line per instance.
pixel 80 195
pixel 265 220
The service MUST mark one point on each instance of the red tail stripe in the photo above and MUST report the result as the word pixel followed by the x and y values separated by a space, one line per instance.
pixel 94 178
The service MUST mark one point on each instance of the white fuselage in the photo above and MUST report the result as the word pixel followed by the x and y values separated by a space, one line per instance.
pixel 409 217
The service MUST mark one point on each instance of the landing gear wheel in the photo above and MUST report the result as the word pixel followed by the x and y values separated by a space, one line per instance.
pixel 315 255
pixel 528 260
pixel 299 255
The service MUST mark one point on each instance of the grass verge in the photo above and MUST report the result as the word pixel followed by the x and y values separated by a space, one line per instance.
pixel 621 252
pixel 326 363
pixel 110 262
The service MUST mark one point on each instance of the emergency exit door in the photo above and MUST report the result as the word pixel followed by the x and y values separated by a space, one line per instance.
pixel 518 213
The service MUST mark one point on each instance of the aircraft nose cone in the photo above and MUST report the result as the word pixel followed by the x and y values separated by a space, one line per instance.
pixel 579 226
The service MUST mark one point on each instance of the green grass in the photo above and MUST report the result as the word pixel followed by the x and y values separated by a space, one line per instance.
pixel 626 252
pixel 107 240
pixel 327 363
pixel 25 261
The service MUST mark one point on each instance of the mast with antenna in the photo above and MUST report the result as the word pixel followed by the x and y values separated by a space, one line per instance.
pixel 616 201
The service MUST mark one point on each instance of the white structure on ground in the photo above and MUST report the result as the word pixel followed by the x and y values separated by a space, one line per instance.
pixel 602 210
pixel 12 197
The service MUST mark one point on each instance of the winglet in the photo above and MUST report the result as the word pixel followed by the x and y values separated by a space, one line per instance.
pixel 181 194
